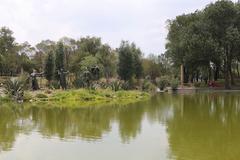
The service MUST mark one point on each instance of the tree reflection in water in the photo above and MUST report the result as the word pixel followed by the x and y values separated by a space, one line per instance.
pixel 86 123
pixel 206 126
pixel 199 126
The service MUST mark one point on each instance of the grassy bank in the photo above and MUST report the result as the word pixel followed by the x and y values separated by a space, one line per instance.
pixel 83 98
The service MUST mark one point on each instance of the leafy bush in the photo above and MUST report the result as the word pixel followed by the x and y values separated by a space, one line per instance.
pixel 116 85
pixel 54 85
pixel 41 95
pixel 174 84
pixel 197 84
pixel 126 85
pixel 163 82
pixel 14 89
pixel 148 86
pixel 27 96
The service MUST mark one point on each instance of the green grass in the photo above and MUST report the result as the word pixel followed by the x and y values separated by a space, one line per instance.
pixel 84 98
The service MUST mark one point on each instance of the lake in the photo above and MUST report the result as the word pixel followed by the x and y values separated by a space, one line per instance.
pixel 200 126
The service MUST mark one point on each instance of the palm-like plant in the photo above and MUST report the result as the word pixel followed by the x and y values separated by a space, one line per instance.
pixel 116 85
pixel 15 89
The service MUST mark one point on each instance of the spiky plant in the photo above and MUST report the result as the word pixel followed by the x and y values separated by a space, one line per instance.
pixel 14 89
pixel 116 85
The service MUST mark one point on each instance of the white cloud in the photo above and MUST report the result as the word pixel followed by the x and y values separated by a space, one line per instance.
pixel 141 21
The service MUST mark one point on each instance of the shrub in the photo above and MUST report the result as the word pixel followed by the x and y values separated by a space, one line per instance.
pixel 54 85
pixel 174 84
pixel 41 95
pixel 116 85
pixel 126 85
pixel 148 86
pixel 197 84
pixel 14 89
pixel 163 82
pixel 27 96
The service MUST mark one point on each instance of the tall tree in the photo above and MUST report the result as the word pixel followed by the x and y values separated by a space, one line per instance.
pixel 60 58
pixel 125 64
pixel 130 63
pixel 107 58
pixel 49 67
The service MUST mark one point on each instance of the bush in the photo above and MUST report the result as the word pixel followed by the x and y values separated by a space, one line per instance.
pixel 14 89
pixel 27 97
pixel 54 85
pixel 25 80
pixel 174 84
pixel 197 84
pixel 116 85
pixel 41 95
pixel 148 86
pixel 126 85
pixel 163 82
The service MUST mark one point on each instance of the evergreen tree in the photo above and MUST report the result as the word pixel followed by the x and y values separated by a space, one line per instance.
pixel 137 62
pixel 59 59
pixel 130 63
pixel 125 65
pixel 49 67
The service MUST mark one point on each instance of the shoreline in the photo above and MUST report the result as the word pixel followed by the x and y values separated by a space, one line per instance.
pixel 81 98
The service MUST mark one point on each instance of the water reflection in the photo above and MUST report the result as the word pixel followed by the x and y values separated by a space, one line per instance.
pixel 206 126
pixel 199 126
pixel 85 123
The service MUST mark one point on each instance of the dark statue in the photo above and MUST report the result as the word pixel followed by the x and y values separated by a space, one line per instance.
pixel 34 82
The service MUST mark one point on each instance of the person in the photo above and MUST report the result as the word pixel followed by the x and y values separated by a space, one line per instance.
pixel 62 78
pixel 34 81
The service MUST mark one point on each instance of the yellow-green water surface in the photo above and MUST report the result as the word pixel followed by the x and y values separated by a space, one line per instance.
pixel 200 126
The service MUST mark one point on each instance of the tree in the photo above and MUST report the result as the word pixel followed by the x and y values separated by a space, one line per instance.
pixel 90 45
pixel 107 58
pixel 221 17
pixel 8 52
pixel 49 67
pixel 60 58
pixel 125 64
pixel 206 41
pixel 137 62
pixel 130 63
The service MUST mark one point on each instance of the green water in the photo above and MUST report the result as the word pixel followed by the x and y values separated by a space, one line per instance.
pixel 201 126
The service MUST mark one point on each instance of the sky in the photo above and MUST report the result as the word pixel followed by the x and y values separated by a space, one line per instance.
pixel 139 21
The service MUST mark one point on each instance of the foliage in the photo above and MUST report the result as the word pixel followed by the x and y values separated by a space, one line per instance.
pixel 116 85
pixel 54 85
pixel 163 82
pixel 174 84
pixel 207 38
pixel 59 61
pixel 107 59
pixel 148 86
pixel 85 97
pixel 41 95
pixel 14 89
pixel 129 64
pixel 49 67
